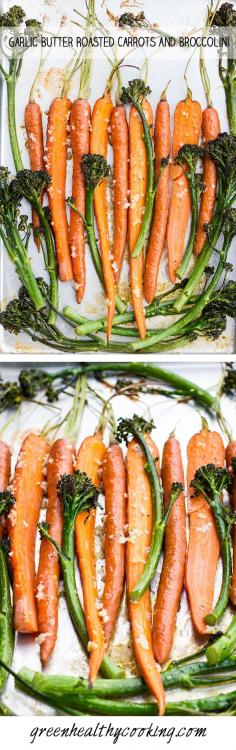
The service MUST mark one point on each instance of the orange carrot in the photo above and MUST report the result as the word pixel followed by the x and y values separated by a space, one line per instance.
pixel 114 480
pixel 140 531
pixel 210 130
pixel 27 489
pixel 160 213
pixel 56 150
pixel 5 471
pixel 101 119
pixel 230 453
pixel 137 186
pixel 187 129
pixel 120 144
pixel 79 128
pixel 172 574
pixel 34 130
pixel 60 462
pixel 89 460
pixel 203 551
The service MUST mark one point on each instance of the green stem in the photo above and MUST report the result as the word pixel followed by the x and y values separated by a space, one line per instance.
pixel 21 261
pixel 89 216
pixel 150 191
pixel 11 95
pixel 181 272
pixel 157 538
pixel 194 313
pixel 223 646
pixel 51 265
pixel 6 616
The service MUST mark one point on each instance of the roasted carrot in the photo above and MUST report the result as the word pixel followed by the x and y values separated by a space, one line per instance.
pixel 210 130
pixel 230 453
pixel 120 145
pixel 101 119
pixel 79 128
pixel 34 131
pixel 172 574
pixel 27 488
pixel 140 531
pixel 5 471
pixel 60 462
pixel 56 152
pixel 187 129
pixel 203 550
pixel 114 481
pixel 160 214
pixel 137 186
pixel 89 460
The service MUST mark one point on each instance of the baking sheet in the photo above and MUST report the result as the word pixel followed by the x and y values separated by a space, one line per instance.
pixel 68 657
pixel 163 65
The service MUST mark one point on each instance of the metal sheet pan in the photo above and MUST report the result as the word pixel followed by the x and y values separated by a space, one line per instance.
pixel 68 657
pixel 163 65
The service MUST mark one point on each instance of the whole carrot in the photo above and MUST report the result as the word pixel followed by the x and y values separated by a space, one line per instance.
pixel 79 127
pixel 89 460
pixel 60 462
pixel 56 153
pixel 27 489
pixel 140 531
pixel 101 118
pixel 230 453
pixel 210 130
pixel 114 481
pixel 187 129
pixel 34 130
pixel 5 471
pixel 203 551
pixel 137 186
pixel 156 241
pixel 120 145
pixel 172 574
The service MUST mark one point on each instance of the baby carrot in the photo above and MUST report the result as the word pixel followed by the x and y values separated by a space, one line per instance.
pixel 101 118
pixel 60 462
pixel 34 130
pixel 203 551
pixel 89 460
pixel 114 480
pixel 140 532
pixel 172 574
pixel 27 488
pixel 120 145
pixel 187 129
pixel 137 186
pixel 80 134
pixel 160 214
pixel 210 130
pixel 56 151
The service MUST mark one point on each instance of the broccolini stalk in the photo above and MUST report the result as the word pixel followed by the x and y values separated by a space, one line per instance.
pixel 137 427
pixel 223 152
pixel 68 689
pixel 95 168
pixel 13 19
pixel 224 646
pixel 178 327
pixel 7 638
pixel 225 17
pixel 78 494
pixel 31 185
pixel 210 481
pixel 189 155
pixel 12 225
pixel 135 92
pixel 24 684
